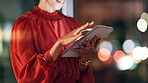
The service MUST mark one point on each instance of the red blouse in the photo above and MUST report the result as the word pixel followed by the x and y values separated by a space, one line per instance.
pixel 32 36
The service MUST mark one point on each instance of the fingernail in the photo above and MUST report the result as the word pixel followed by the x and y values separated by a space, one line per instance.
pixel 92 22
pixel 86 23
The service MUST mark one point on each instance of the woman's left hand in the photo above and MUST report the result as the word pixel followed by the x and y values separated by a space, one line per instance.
pixel 85 52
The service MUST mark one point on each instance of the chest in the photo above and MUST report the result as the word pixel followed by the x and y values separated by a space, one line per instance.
pixel 47 33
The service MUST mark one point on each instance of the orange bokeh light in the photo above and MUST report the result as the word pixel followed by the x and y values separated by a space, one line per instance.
pixel 104 54
pixel 118 54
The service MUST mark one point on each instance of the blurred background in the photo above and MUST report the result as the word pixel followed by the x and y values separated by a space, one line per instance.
pixel 121 58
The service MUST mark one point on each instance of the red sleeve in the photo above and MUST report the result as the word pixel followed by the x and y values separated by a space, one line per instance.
pixel 27 64
pixel 88 77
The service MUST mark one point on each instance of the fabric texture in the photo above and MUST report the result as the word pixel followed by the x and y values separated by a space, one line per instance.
pixel 32 37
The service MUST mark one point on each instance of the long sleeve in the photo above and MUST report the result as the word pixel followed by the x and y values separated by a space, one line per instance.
pixel 28 65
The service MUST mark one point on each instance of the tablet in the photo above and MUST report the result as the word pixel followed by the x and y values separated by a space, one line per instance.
pixel 101 30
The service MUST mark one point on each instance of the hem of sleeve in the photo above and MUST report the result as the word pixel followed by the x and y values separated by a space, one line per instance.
pixel 47 57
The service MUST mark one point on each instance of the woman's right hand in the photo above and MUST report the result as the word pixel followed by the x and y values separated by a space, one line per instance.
pixel 67 39
pixel 73 35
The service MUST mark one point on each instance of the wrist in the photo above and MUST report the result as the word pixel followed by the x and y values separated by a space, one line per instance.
pixel 59 43
pixel 83 68
pixel 55 50
pixel 86 63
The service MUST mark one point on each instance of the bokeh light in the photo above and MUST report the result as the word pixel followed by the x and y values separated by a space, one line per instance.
pixel 104 54
pixel 106 44
pixel 135 61
pixel 118 55
pixel 145 53
pixel 1 41
pixel 7 31
pixel 142 25
pixel 125 63
pixel 137 53
pixel 144 16
pixel 128 46
pixel 140 53
pixel 134 66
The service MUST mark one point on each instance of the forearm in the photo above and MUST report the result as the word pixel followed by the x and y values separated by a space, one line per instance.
pixel 55 50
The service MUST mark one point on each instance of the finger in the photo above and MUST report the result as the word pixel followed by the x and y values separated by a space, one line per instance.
pixel 85 26
pixel 85 58
pixel 94 40
pixel 82 27
pixel 77 50
pixel 76 32
pixel 81 46
pixel 98 41
pixel 87 42
pixel 90 24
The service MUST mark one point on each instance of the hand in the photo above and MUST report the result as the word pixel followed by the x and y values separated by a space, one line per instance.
pixel 85 52
pixel 73 35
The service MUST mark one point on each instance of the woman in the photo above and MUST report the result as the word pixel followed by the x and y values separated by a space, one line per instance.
pixel 37 40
